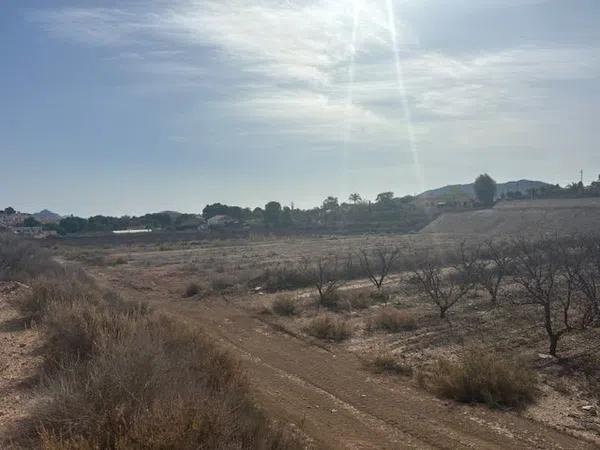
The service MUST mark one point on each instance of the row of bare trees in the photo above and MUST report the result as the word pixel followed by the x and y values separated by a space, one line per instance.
pixel 561 276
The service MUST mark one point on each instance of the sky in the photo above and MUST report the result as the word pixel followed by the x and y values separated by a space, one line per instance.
pixel 128 107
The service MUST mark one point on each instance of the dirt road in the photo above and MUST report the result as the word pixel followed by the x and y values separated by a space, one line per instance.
pixel 327 393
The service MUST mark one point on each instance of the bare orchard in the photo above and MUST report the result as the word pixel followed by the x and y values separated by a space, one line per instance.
pixel 462 319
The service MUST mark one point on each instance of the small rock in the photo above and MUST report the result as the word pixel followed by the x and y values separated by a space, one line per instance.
pixel 590 409
pixel 334 410
pixel 545 356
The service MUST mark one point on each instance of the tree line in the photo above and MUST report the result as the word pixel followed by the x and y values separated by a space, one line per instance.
pixel 558 277
pixel 402 212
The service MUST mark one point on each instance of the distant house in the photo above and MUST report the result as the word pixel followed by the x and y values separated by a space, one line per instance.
pixel 132 231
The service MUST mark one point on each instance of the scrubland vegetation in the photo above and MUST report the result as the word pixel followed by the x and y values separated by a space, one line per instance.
pixel 547 285
pixel 489 322
pixel 117 375
pixel 329 328
pixel 482 376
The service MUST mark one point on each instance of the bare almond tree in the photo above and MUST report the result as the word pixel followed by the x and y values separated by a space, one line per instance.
pixel 325 275
pixel 539 272
pixel 490 274
pixel 443 289
pixel 378 263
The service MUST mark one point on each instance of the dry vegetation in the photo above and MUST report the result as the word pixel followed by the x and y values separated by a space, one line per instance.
pixel 392 320
pixel 482 376
pixel 329 328
pixel 516 300
pixel 119 376
pixel 388 363
pixel 284 306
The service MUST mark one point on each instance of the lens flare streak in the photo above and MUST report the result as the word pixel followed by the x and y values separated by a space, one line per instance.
pixel 403 97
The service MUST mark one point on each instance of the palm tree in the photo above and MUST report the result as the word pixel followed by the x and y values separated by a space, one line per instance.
pixel 355 198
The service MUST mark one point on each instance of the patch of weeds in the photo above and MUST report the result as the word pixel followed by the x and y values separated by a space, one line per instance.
pixel 392 320
pixel 481 376
pixel 284 306
pixel 329 328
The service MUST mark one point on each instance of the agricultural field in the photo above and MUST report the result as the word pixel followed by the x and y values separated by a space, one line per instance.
pixel 355 365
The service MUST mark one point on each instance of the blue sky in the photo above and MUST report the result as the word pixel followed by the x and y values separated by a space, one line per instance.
pixel 119 107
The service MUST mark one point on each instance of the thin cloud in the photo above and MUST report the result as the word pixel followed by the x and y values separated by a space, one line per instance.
pixel 288 63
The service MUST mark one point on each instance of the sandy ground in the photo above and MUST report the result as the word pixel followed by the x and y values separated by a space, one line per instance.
pixel 19 362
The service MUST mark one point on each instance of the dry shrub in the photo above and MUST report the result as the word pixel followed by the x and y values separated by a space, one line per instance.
pixel 282 278
pixel 358 299
pixel 388 363
pixel 284 306
pixel 484 377
pixel 47 292
pixel 380 296
pixel 392 320
pixel 330 299
pixel 157 385
pixel 191 289
pixel 329 328
pixel 120 376
pixel 22 260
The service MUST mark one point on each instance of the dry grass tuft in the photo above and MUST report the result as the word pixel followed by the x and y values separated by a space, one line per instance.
pixel 388 363
pixel 358 299
pixel 284 306
pixel 22 260
pixel 483 377
pixel 392 320
pixel 329 328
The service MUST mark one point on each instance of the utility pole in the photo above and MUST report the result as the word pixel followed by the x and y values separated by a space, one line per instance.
pixel 581 172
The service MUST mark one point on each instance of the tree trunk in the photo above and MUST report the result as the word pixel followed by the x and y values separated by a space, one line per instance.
pixel 553 344
pixel 548 324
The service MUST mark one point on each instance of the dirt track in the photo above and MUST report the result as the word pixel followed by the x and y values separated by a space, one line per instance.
pixel 327 393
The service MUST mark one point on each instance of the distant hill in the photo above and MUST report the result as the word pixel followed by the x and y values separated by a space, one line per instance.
pixel 523 217
pixel 456 191
pixel 47 216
